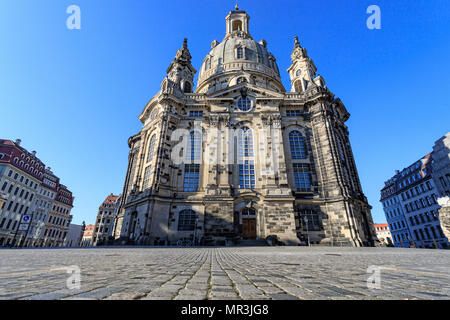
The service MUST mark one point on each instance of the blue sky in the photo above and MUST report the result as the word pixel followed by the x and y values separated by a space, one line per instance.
pixel 74 95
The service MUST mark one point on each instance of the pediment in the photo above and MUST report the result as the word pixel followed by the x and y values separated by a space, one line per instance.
pixel 235 91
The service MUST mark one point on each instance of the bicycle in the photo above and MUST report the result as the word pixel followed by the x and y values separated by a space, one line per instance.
pixel 184 243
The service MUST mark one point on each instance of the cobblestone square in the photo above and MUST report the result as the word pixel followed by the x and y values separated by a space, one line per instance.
pixel 225 273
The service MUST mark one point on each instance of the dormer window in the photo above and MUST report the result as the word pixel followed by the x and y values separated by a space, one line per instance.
pixel 240 53
pixel 241 80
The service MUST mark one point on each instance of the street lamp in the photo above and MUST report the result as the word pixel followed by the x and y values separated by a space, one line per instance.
pixel 307 233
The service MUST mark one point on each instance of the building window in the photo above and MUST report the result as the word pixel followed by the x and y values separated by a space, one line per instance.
pixel 297 143
pixel 187 87
pixel 245 142
pixel 298 86
pixel 151 148
pixel 241 80
pixel 302 177
pixel 240 53
pixel 293 113
pixel 244 104
pixel 196 114
pixel 310 220
pixel 147 177
pixel 191 177
pixel 194 146
pixel 186 220
pixel 247 175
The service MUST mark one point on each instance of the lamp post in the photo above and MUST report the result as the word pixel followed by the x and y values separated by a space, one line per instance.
pixel 307 233
pixel 195 231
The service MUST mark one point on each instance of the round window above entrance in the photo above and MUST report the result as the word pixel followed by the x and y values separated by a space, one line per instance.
pixel 244 104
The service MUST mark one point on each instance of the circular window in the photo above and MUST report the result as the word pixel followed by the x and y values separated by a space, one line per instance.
pixel 244 104
pixel 299 72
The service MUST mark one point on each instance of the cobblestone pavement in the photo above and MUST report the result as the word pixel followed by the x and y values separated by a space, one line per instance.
pixel 225 273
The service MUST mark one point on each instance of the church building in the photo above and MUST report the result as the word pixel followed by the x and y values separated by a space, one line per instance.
pixel 239 158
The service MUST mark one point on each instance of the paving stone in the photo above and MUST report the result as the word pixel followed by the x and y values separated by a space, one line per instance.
pixel 255 273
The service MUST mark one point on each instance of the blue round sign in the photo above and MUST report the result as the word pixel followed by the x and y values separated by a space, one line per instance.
pixel 26 218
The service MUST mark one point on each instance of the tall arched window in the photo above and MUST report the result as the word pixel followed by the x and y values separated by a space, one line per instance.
pixel 186 220
pixel 298 86
pixel 187 87
pixel 297 144
pixel 191 169
pixel 246 161
pixel 151 148
pixel 194 146
pixel 245 142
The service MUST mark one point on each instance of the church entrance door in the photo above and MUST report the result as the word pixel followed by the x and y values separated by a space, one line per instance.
pixel 249 228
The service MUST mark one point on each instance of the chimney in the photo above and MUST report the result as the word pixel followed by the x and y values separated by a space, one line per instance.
pixel 34 153
pixel 18 141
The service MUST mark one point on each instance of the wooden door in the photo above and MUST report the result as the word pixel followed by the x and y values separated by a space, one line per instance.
pixel 249 228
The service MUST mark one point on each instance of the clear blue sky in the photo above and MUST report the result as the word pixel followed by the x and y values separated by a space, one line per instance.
pixel 74 95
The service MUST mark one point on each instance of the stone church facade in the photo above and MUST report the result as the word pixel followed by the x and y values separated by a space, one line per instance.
pixel 240 158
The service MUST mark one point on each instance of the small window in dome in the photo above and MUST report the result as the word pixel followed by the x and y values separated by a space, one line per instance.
pixel 244 104
pixel 241 80
pixel 240 53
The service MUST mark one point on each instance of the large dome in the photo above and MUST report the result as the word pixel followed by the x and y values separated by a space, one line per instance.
pixel 238 52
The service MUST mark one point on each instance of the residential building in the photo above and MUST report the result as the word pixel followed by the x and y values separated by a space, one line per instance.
pixel 242 158
pixel 415 220
pixel 59 219
pixel 87 235
pixel 105 220
pixel 21 174
pixel 384 234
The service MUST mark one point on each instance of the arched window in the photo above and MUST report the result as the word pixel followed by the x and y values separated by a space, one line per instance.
pixel 187 87
pixel 192 170
pixel 246 162
pixel 297 143
pixel 147 177
pixel 245 142
pixel 194 146
pixel 298 86
pixel 186 220
pixel 151 148
pixel 244 104
pixel 237 25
